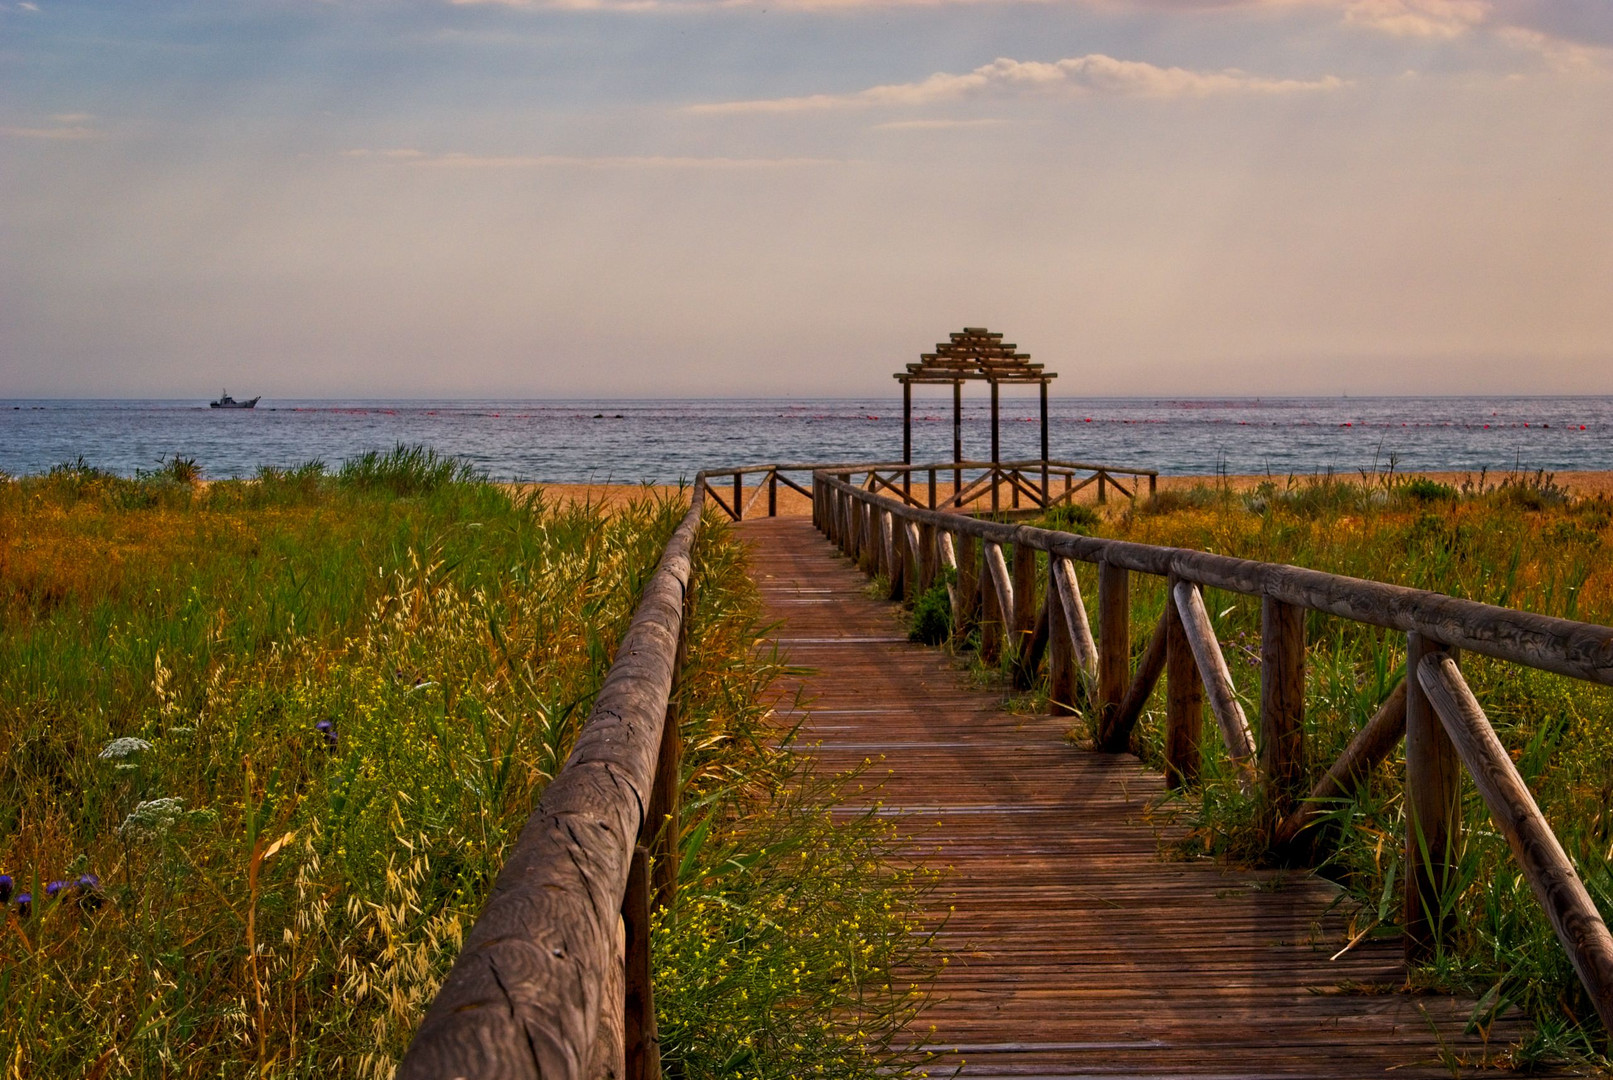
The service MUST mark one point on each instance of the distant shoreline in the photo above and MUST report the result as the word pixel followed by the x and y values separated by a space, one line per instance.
pixel 1582 484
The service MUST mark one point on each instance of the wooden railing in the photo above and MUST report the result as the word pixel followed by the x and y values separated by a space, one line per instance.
pixel 994 580
pixel 554 977
pixel 974 485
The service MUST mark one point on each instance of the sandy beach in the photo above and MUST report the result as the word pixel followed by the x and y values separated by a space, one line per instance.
pixel 792 503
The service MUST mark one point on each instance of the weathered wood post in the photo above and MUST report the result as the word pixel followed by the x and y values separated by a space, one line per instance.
pixel 1103 493
pixel 641 1041
pixel 1114 638
pixel 927 559
pixel 1433 808
pixel 1061 676
pixel 996 618
pixel 1282 705
pixel 739 494
pixel 1024 616
pixel 932 489
pixel 966 614
pixel 1184 699
pixel 772 493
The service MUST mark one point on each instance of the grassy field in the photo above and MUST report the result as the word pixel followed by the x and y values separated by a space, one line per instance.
pixel 263 746
pixel 1522 543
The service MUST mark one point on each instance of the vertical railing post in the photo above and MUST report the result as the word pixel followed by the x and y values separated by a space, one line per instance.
pixel 1153 484
pixel 1282 705
pixel 739 492
pixel 1061 677
pixel 1433 808
pixel 1184 699
pixel 968 555
pixel 641 1042
pixel 1114 638
pixel 1024 617
pixel 1103 494
pixel 772 493
pixel 928 560
pixel 932 489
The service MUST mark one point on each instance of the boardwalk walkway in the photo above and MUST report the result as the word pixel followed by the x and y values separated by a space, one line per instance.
pixel 1077 950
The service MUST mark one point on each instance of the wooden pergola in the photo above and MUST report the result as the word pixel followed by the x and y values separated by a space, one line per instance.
pixel 973 354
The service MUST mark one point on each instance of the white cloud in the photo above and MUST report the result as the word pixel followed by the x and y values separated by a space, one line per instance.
pixel 935 125
pixel 1562 56
pixel 1091 74
pixel 63 134
pixel 455 160
pixel 1418 18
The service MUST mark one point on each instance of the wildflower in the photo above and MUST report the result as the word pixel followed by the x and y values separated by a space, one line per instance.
pixel 328 730
pixel 53 888
pixel 122 748
pixel 5 888
pixel 25 902
pixel 152 818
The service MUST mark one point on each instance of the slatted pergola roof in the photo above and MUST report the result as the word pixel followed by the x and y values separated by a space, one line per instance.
pixel 973 354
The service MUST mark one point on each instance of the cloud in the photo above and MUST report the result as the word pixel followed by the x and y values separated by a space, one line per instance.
pixel 455 160
pixel 1094 74
pixel 60 134
pixel 1418 18
pixel 935 125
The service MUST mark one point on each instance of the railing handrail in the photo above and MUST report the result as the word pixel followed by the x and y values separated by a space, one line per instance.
pixel 526 995
pixel 903 466
pixel 1576 649
pixel 1444 728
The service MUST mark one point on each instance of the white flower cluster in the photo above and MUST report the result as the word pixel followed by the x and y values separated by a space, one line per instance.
pixel 152 818
pixel 123 748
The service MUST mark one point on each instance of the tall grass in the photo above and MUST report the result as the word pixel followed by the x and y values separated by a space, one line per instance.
pixel 1520 543
pixel 276 736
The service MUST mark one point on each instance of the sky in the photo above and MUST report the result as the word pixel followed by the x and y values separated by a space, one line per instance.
pixel 709 198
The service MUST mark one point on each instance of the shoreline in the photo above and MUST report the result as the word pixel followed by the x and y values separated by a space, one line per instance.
pixel 1581 484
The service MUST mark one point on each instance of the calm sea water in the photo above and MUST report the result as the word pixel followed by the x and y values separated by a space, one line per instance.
pixel 664 441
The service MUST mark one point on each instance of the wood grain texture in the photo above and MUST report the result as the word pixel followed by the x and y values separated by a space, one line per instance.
pixel 1114 639
pixel 1077 951
pixel 1184 701
pixel 526 995
pixel 1075 615
pixel 1213 670
pixel 1545 864
pixel 1433 803
pixel 1282 705
pixel 1115 726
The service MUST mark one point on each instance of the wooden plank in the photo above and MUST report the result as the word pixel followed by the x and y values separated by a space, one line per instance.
pixel 996 621
pixel 1545 864
pixel 1061 663
pixel 1075 949
pixel 1433 802
pixel 1025 616
pixel 1213 670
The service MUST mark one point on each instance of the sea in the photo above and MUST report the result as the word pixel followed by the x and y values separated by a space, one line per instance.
pixel 664 441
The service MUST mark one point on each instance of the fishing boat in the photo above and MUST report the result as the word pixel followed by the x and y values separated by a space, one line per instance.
pixel 226 402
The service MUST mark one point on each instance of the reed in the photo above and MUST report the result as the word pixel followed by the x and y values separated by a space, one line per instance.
pixel 275 737
pixel 1520 542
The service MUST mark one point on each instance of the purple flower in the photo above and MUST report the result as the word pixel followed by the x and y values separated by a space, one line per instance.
pixel 328 730
pixel 24 904
pixel 5 888
pixel 53 888
pixel 89 891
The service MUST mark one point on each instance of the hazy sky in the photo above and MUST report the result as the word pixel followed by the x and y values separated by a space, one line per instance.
pixel 734 197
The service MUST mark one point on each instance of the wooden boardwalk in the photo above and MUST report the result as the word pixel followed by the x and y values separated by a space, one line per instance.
pixel 1077 951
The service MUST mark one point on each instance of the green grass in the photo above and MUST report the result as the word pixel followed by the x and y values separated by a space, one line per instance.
pixel 292 726
pixel 1521 543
